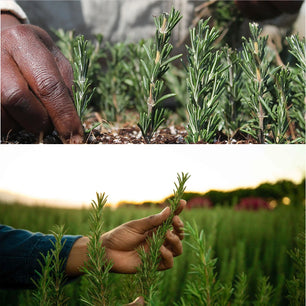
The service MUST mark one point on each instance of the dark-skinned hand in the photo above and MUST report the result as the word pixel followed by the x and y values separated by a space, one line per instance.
pixel 261 10
pixel 121 244
pixel 36 82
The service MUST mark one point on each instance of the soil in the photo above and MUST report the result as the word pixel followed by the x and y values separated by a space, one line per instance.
pixel 127 134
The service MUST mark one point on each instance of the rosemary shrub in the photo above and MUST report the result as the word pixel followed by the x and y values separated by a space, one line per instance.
pixel 97 267
pixel 232 108
pixel 82 93
pixel 51 279
pixel 84 57
pixel 296 285
pixel 155 66
pixel 298 111
pixel 264 293
pixel 205 83
pixel 204 289
pixel 148 278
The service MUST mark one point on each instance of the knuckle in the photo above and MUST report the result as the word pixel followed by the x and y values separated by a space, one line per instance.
pixel 16 33
pixel 49 86
pixel 14 98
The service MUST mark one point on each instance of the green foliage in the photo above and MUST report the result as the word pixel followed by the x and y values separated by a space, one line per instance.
pixel 204 289
pixel 155 66
pixel 83 56
pixel 298 112
pixel 221 91
pixel 148 276
pixel 240 292
pixel 113 86
pixel 233 108
pixel 81 88
pixel 204 82
pixel 296 285
pixel 248 245
pixel 257 64
pixel 51 279
pixel 97 267
pixel 265 290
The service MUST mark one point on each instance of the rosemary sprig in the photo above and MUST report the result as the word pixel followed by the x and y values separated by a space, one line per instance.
pixel 148 277
pixel 204 82
pixel 97 267
pixel 155 66
pixel 51 279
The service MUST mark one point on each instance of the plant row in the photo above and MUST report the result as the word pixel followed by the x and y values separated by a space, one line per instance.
pixel 214 89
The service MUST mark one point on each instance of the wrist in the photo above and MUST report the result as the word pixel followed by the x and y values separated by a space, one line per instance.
pixel 8 20
pixel 77 257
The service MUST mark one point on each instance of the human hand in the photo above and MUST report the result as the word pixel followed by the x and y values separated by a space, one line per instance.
pixel 36 82
pixel 261 10
pixel 121 243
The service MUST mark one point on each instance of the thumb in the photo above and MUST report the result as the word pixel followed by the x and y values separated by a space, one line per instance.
pixel 146 224
pixel 138 301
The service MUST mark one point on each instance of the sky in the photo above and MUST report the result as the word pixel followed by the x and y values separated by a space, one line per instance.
pixel 71 175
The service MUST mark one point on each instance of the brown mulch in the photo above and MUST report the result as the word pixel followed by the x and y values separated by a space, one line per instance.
pixel 127 134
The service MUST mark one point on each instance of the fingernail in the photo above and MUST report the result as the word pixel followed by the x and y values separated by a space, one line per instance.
pixel 76 139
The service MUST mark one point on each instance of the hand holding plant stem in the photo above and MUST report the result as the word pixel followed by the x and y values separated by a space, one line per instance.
pixel 117 250
pixel 148 277
pixel 155 66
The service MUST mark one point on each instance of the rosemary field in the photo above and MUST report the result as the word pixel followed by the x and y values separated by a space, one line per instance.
pixel 249 250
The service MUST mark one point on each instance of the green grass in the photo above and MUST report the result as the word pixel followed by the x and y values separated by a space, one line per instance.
pixel 256 243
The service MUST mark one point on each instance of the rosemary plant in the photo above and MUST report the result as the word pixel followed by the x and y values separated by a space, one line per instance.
pixel 148 277
pixel 81 89
pixel 240 290
pixel 265 291
pixel 233 108
pixel 296 285
pixel 43 293
pixel 204 82
pixel 113 88
pixel 50 285
pixel 257 66
pixel 298 111
pixel 205 289
pixel 156 65
pixel 97 267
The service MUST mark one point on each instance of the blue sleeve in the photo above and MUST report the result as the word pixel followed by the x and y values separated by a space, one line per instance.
pixel 19 252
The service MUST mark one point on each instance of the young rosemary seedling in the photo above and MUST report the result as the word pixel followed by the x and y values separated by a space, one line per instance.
pixel 82 93
pixel 148 277
pixel 50 285
pixel 264 292
pixel 298 111
pixel 257 66
pixel 204 289
pixel 156 65
pixel 97 267
pixel 232 107
pixel 204 82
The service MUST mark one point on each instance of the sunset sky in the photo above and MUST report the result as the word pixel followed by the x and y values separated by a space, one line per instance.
pixel 72 175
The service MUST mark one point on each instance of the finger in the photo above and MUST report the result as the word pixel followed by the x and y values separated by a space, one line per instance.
pixel 62 62
pixel 180 208
pixel 166 259
pixel 178 227
pixel 173 244
pixel 40 71
pixel 19 102
pixel 138 301
pixel 7 123
pixel 149 223
pixel 65 68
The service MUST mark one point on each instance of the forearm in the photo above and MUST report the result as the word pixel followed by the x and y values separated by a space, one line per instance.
pixel 20 251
